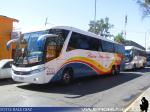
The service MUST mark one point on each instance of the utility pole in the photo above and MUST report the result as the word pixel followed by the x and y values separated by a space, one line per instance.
pixel 145 39
pixel 125 25
pixel 95 17
pixel 46 21
pixel 147 31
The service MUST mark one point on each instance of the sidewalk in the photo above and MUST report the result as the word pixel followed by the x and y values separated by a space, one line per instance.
pixel 134 107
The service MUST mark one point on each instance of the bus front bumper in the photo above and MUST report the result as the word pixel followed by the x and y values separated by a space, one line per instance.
pixel 128 66
pixel 37 78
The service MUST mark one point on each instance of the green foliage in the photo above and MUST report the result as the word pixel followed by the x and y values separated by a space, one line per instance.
pixel 145 6
pixel 101 27
pixel 119 38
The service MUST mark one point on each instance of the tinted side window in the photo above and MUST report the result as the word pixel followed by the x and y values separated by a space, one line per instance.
pixel 79 41
pixel 95 44
pixel 142 53
pixel 136 52
pixel 107 46
pixel 83 43
pixel 72 43
pixel 119 49
pixel 60 32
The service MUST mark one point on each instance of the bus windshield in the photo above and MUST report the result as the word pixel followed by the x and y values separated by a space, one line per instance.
pixel 128 55
pixel 30 52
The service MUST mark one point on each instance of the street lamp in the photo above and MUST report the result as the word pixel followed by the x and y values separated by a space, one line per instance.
pixel 95 17
pixel 46 22
pixel 145 37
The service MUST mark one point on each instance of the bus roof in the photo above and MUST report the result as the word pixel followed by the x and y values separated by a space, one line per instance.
pixel 83 32
pixel 132 47
pixel 72 29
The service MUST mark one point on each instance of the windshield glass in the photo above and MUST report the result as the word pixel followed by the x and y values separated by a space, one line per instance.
pixel 31 52
pixel 33 48
pixel 128 55
pixel 28 51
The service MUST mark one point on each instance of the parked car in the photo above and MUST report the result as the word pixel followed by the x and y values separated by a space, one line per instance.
pixel 5 68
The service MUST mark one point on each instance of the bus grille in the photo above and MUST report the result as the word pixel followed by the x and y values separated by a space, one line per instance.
pixel 21 73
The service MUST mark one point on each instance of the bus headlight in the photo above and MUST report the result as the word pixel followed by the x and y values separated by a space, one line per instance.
pixel 37 70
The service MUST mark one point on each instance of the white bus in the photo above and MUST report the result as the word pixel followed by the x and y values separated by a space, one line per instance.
pixel 63 53
pixel 134 57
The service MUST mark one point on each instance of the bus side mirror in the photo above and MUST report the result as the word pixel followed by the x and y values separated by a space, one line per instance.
pixel 10 42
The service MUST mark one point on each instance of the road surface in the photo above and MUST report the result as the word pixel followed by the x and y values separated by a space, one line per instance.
pixel 103 91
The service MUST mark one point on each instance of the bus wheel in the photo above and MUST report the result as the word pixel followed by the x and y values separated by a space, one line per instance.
pixel 134 67
pixel 144 65
pixel 67 76
pixel 113 71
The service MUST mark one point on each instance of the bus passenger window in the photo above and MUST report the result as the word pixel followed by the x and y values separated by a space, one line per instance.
pixel 83 44
pixel 80 41
pixel 107 46
pixel 71 45
pixel 95 44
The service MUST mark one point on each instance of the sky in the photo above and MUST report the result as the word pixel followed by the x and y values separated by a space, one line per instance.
pixel 78 13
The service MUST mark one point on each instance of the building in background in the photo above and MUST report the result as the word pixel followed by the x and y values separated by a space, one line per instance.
pixel 6 34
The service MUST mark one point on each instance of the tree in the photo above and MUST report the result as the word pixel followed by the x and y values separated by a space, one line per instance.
pixel 145 5
pixel 119 38
pixel 101 27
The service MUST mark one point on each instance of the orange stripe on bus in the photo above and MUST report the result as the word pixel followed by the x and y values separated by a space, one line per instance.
pixel 93 64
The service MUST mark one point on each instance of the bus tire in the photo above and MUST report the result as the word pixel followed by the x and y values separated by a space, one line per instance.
pixel 67 76
pixel 134 67
pixel 144 65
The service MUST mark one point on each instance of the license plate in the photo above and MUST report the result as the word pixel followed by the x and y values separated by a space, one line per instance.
pixel 21 78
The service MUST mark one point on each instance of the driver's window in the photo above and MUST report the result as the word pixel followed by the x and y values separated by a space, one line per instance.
pixel 51 48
